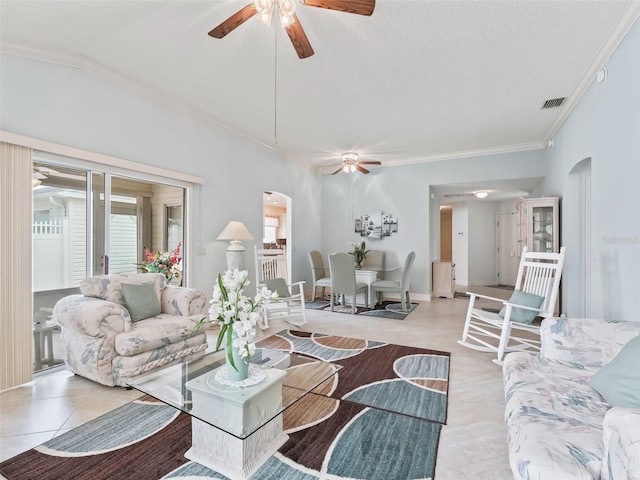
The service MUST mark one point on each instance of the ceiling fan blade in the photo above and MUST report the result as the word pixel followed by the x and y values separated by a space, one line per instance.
pixel 337 171
pixel 360 7
pixel 299 38
pixel 234 21
pixel 370 163
pixel 362 170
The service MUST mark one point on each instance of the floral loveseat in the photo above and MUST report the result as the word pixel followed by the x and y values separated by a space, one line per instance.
pixel 558 426
pixel 104 341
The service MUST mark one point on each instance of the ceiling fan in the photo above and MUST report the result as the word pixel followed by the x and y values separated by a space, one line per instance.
pixel 286 11
pixel 350 164
pixel 41 173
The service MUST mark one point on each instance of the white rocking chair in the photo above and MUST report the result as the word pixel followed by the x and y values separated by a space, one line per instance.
pixel 538 275
pixel 271 271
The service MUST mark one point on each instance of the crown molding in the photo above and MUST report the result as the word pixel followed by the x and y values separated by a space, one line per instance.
pixel 627 19
pixel 522 147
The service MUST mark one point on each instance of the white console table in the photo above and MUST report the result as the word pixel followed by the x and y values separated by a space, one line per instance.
pixel 233 447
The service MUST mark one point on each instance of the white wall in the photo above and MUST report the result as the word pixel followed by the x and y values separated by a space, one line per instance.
pixel 460 242
pixel 70 107
pixel 482 243
pixel 605 126
pixel 404 192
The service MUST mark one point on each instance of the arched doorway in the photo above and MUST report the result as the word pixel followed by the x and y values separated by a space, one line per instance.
pixel 276 223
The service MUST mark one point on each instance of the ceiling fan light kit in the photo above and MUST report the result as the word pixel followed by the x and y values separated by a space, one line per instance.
pixel 350 164
pixel 288 18
pixel 286 11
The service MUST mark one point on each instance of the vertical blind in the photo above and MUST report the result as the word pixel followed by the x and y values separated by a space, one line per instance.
pixel 15 265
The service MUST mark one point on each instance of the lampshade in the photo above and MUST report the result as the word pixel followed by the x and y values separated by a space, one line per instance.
pixel 235 231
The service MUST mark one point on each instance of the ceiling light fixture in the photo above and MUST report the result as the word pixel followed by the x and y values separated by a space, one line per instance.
pixel 481 194
pixel 286 11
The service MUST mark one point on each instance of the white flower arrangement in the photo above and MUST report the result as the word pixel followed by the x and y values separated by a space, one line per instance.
pixel 237 314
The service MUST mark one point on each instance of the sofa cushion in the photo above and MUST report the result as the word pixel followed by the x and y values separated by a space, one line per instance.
pixel 155 332
pixel 554 419
pixel 109 287
pixel 141 300
pixel 619 380
pixel 525 299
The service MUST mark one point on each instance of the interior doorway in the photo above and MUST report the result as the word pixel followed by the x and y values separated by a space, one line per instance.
pixel 276 223
pixel 507 248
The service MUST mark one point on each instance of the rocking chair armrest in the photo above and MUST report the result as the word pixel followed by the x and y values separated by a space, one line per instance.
pixel 300 291
pixel 506 303
pixel 486 297
pixel 290 286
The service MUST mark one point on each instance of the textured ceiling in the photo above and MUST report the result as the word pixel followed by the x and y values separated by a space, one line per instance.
pixel 419 80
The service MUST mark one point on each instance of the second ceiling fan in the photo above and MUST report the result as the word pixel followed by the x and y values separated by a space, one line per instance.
pixel 351 164
pixel 286 11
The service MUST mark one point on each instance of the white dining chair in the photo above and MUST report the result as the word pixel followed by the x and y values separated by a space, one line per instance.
pixel 343 280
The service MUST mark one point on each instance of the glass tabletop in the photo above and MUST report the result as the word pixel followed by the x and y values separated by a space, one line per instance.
pixel 198 387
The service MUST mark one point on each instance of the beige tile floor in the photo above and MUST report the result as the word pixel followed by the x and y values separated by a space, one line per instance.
pixel 472 446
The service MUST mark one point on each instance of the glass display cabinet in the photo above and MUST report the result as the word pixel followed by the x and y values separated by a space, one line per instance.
pixel 538 224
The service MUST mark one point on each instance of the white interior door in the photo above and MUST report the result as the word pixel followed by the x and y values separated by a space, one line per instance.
pixel 507 248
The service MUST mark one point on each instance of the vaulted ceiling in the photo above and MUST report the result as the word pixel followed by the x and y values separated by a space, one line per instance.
pixel 418 80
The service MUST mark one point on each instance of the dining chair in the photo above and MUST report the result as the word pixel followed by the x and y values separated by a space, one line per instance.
pixel 343 280
pixel 399 282
pixel 319 274
pixel 375 261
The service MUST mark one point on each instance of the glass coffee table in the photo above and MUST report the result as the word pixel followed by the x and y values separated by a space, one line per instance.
pixel 235 429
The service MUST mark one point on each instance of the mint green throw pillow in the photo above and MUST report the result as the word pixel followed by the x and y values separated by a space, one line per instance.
pixel 278 285
pixel 619 380
pixel 526 300
pixel 141 299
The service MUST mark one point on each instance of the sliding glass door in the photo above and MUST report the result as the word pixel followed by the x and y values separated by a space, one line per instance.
pixel 87 222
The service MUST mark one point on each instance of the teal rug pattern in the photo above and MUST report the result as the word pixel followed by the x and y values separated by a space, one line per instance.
pixel 92 439
pixel 379 420
pixel 385 309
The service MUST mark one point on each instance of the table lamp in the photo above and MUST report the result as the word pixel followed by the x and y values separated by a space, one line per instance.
pixel 235 232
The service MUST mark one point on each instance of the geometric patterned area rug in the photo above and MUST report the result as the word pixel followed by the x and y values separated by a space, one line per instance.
pixel 380 419
pixel 408 380
pixel 384 309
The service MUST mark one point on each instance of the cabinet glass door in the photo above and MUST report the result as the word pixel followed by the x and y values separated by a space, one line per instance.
pixel 542 229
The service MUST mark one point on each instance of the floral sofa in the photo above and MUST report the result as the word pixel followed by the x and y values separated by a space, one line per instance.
pixel 558 426
pixel 102 342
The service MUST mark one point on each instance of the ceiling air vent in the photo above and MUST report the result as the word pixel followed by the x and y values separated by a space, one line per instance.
pixel 554 102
